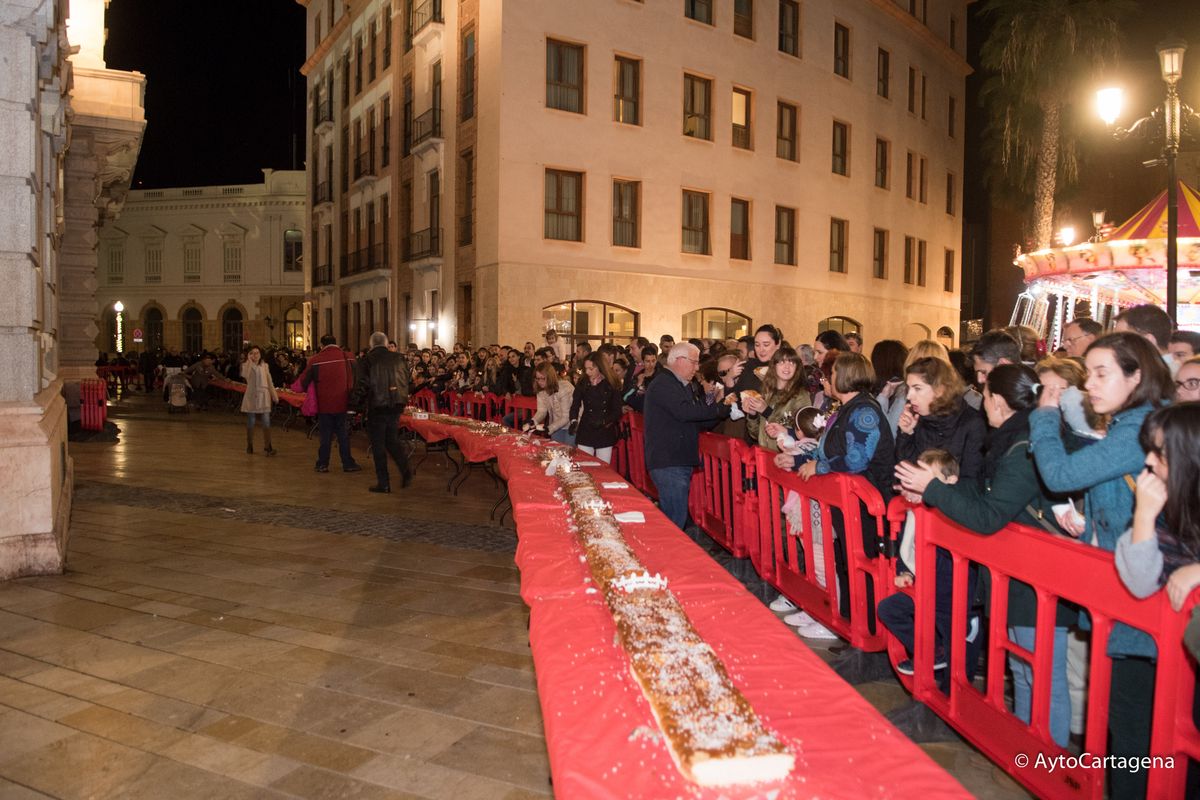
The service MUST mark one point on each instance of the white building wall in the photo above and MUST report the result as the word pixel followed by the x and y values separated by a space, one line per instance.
pixel 253 217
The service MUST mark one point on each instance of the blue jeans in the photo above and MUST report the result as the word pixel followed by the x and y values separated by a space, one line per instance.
pixel 328 426
pixel 264 419
pixel 673 484
pixel 1060 694
pixel 563 436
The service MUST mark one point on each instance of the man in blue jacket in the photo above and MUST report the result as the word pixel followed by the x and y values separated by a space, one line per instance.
pixel 674 417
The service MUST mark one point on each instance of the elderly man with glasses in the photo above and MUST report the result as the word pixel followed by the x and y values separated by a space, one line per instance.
pixel 674 418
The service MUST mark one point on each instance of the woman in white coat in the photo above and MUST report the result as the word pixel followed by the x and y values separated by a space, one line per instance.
pixel 259 400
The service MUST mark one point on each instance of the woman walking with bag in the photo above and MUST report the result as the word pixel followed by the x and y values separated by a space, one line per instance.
pixel 259 399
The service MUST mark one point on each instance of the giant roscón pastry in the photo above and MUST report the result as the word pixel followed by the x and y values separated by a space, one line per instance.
pixel 711 731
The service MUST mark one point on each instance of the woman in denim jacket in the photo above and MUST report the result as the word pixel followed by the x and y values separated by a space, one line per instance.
pixel 1127 380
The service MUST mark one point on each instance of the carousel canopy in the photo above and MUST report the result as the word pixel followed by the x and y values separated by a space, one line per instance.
pixel 1151 221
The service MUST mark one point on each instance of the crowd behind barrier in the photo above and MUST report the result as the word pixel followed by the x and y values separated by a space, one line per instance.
pixel 824 538
pixel 737 499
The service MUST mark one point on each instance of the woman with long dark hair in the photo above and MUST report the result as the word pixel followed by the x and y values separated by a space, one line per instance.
pixel 596 408
pixel 1009 491
pixel 1127 380
pixel 1162 548
pixel 783 394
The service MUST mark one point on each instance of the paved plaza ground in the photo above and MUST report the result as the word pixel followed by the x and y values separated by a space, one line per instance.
pixel 235 625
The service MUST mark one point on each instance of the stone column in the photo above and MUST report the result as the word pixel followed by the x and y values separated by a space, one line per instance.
pixel 35 473
pixel 53 188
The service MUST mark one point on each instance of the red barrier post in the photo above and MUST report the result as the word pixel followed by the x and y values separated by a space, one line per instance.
pixel 521 408
pixel 715 509
pixel 1057 568
pixel 794 572
pixel 637 455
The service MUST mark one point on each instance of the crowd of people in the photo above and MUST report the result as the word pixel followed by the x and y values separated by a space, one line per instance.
pixel 1095 441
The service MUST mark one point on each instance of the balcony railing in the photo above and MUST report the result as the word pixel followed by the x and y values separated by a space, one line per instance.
pixel 423 244
pixel 427 126
pixel 364 165
pixel 322 275
pixel 466 230
pixel 372 256
pixel 322 112
pixel 323 194
pixel 425 14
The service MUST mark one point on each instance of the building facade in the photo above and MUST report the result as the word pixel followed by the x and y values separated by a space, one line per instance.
pixel 73 129
pixel 205 268
pixel 622 167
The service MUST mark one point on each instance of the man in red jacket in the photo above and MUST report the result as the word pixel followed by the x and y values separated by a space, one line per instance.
pixel 330 373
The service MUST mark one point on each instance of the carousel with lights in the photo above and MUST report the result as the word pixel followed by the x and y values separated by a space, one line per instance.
pixel 1117 268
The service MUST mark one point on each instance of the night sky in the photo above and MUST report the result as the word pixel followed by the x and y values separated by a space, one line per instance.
pixel 224 94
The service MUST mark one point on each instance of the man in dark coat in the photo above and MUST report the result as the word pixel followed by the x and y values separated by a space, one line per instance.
pixel 330 373
pixel 381 386
pixel 674 417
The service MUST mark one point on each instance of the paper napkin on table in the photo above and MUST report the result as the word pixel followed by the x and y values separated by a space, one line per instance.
pixel 630 516
pixel 614 485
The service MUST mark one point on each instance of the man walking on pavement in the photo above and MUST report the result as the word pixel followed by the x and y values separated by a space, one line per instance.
pixel 381 385
pixel 330 373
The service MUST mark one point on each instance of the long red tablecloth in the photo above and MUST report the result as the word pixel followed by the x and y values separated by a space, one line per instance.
pixel 601 737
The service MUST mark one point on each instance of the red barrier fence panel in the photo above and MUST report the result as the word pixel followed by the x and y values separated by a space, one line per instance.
pixel 620 456
pixel 719 496
pixel 93 399
pixel 797 573
pixel 425 400
pixel 522 409
pixel 1057 568
pixel 454 404
pixel 637 455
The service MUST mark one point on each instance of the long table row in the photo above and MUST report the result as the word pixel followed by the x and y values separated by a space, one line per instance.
pixel 601 736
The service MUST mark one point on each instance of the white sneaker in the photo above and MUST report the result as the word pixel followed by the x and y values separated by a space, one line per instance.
pixel 815 630
pixel 798 619
pixel 782 604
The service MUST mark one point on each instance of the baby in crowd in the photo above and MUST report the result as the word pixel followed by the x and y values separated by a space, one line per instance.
pixel 945 469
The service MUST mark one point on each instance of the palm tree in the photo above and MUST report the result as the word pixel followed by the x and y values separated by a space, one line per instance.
pixel 1041 52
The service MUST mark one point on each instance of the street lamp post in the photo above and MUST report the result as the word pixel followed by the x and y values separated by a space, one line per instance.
pixel 1173 112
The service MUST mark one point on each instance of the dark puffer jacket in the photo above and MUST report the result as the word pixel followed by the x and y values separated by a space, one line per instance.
pixel 960 432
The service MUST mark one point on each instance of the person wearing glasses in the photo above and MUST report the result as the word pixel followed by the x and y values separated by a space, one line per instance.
pixel 674 419
pixel 1187 381
pixel 1079 334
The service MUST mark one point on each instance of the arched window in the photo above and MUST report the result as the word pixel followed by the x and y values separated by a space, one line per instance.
pixel 231 330
pixel 945 335
pixel 715 323
pixel 293 329
pixel 193 330
pixel 842 325
pixel 153 322
pixel 592 321
pixel 915 332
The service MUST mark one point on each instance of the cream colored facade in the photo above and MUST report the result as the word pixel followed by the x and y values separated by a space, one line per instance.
pixel 499 278
pixel 205 267
pixel 72 132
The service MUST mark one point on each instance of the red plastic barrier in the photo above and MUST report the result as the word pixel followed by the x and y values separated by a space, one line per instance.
pixel 794 571
pixel 620 456
pixel 454 404
pixel 93 404
pixel 719 506
pixel 1057 568
pixel 425 400
pixel 637 455
pixel 522 409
